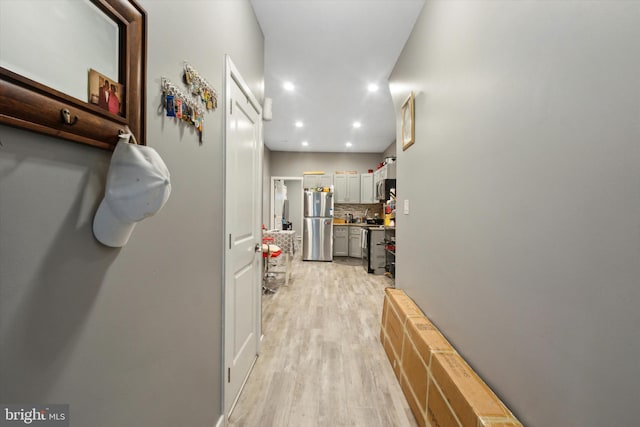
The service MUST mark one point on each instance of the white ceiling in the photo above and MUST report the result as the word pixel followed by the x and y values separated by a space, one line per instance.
pixel 331 50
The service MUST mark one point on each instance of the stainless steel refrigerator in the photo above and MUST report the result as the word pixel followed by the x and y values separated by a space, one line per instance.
pixel 317 240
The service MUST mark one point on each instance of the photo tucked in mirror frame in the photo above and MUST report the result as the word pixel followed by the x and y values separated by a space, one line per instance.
pixel 106 93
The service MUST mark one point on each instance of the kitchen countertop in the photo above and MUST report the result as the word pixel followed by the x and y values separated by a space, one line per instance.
pixel 356 224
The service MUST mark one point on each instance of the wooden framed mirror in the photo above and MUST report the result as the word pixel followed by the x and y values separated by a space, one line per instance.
pixel 52 95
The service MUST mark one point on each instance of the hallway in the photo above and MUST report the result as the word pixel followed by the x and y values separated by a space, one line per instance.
pixel 322 363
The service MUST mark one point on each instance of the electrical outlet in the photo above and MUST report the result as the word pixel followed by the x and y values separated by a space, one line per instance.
pixel 406 207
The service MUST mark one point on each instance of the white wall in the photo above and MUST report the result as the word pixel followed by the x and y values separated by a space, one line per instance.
pixel 131 336
pixel 523 238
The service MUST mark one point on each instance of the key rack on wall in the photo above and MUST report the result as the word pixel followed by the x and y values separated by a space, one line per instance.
pixel 190 106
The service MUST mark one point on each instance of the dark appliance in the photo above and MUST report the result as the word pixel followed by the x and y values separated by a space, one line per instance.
pixel 373 253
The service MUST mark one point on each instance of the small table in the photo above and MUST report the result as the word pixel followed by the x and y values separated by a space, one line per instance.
pixel 285 239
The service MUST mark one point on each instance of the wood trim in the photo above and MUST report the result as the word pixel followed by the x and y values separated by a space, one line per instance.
pixel 27 104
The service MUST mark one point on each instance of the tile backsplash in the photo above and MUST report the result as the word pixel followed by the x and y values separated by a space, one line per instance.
pixel 340 210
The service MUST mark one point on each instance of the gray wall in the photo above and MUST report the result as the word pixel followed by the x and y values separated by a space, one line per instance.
pixel 130 336
pixel 390 151
pixel 523 238
pixel 295 164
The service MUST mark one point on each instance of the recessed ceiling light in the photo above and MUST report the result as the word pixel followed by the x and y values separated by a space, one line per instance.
pixel 305 143
pixel 357 124
pixel 288 86
pixel 299 124
pixel 348 144
pixel 373 87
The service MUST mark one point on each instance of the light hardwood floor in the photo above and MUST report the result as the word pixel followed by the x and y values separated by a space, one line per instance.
pixel 321 361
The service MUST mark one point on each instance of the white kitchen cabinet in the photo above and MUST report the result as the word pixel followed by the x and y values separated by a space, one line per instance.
pixel 340 240
pixel 366 188
pixel 355 242
pixel 314 181
pixel 325 180
pixel 391 170
pixel 340 188
pixel 310 181
pixel 387 171
pixel 347 188
pixel 377 176
pixel 353 188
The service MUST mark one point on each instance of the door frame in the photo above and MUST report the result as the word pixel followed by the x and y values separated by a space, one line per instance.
pixel 231 74
pixel 272 195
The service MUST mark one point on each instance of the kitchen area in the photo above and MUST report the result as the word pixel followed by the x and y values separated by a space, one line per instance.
pixel 349 213
pixel 364 220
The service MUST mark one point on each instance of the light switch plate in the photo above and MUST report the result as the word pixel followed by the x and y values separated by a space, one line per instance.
pixel 406 207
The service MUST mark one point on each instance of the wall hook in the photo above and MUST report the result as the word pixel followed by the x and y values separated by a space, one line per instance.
pixel 66 117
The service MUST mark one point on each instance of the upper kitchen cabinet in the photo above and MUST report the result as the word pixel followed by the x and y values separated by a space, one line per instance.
pixel 347 188
pixel 367 194
pixel 314 181
pixel 387 171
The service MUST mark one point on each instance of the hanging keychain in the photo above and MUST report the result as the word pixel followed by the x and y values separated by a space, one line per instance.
pixel 169 102
pixel 178 109
pixel 200 87
pixel 183 106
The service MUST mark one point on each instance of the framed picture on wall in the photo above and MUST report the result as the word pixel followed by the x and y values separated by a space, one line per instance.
pixel 408 126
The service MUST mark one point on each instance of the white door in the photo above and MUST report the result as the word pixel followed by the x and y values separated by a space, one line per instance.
pixel 242 287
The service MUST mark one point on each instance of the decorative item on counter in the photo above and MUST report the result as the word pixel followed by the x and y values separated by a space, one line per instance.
pixel 200 87
pixel 181 106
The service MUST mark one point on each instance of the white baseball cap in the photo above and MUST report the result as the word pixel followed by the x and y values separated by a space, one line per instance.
pixel 138 185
